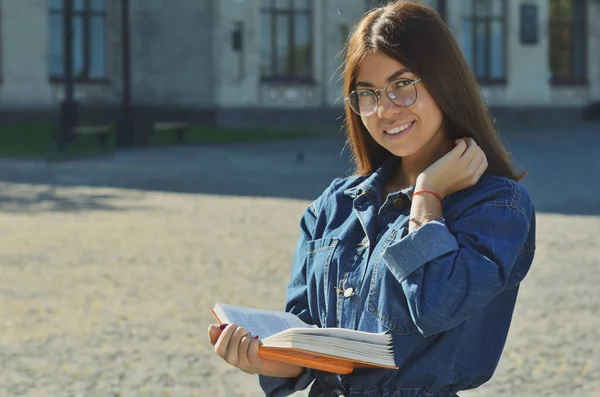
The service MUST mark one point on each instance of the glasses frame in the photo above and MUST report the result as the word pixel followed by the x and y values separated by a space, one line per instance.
pixel 378 98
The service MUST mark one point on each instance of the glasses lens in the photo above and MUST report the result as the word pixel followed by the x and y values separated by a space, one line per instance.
pixel 402 92
pixel 363 102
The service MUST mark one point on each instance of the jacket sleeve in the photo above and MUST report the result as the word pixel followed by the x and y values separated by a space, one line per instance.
pixel 449 272
pixel 297 303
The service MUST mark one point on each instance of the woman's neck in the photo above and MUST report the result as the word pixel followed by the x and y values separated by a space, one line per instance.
pixel 412 166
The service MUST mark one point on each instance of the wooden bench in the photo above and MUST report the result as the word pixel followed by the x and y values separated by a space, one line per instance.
pixel 101 131
pixel 180 128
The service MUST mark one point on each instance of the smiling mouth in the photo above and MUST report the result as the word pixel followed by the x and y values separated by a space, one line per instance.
pixel 399 129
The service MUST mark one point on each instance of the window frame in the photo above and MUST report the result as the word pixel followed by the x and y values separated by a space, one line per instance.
pixel 571 80
pixel 86 15
pixel 487 20
pixel 271 13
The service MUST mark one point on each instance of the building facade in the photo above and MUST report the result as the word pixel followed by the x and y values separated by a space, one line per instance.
pixel 252 62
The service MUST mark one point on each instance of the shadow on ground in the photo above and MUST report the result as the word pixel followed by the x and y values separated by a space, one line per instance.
pixel 30 198
pixel 563 166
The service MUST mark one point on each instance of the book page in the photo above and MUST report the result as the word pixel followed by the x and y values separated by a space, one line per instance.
pixel 349 335
pixel 263 323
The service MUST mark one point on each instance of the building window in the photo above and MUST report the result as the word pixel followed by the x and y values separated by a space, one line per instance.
pixel 484 39
pixel 287 40
pixel 89 39
pixel 568 41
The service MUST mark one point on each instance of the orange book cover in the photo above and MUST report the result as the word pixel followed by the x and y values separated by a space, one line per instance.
pixel 307 359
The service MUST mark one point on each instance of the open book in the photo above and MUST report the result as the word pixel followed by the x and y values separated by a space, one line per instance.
pixel 286 338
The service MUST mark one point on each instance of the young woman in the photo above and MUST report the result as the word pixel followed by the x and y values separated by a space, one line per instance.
pixel 428 241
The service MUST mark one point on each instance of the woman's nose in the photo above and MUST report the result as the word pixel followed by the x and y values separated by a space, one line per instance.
pixel 386 107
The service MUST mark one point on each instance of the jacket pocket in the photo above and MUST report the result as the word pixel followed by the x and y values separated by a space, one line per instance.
pixel 386 301
pixel 319 257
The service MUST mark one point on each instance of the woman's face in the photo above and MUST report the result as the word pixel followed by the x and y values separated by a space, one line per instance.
pixel 403 131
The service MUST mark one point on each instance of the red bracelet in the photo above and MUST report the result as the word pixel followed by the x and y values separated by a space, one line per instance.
pixel 421 192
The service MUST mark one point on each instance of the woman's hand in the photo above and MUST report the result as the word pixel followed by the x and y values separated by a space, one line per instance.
pixel 240 349
pixel 236 346
pixel 457 170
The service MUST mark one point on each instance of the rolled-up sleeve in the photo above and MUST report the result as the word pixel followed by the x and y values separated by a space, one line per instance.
pixel 447 274
pixel 431 241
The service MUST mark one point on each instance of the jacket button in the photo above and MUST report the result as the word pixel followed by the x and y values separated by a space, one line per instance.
pixel 348 292
pixel 399 203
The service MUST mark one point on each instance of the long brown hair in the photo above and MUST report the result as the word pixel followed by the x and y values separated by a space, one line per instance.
pixel 416 36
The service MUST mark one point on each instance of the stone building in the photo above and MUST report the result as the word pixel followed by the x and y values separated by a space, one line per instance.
pixel 276 61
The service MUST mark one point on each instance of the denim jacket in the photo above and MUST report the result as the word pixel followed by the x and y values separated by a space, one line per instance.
pixel 445 291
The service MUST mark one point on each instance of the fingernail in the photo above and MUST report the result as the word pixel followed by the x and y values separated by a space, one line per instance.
pixel 223 326
pixel 255 337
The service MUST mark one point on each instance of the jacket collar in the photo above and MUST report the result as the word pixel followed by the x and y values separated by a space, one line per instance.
pixel 375 180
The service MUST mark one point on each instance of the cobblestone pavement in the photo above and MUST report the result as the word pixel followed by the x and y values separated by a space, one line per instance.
pixel 108 267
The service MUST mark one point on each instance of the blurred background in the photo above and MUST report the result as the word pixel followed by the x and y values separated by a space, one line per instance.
pixel 144 67
pixel 156 156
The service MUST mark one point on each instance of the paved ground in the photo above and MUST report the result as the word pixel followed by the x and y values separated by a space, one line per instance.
pixel 108 266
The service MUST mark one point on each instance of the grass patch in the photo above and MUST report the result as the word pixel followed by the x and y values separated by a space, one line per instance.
pixel 28 140
pixel 25 140
pixel 34 140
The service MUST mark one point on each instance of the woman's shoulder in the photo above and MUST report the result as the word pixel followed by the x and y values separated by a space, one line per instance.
pixel 496 191
pixel 345 185
pixel 338 189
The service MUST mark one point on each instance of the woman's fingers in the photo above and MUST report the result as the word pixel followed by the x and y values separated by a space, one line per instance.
pixel 475 157
pixel 213 333
pixel 232 356
pixel 478 157
pixel 460 148
pixel 243 351
pixel 471 151
pixel 236 346
pixel 481 167
pixel 253 357
pixel 222 345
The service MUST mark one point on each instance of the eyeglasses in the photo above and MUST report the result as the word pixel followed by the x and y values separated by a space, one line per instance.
pixel 401 92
